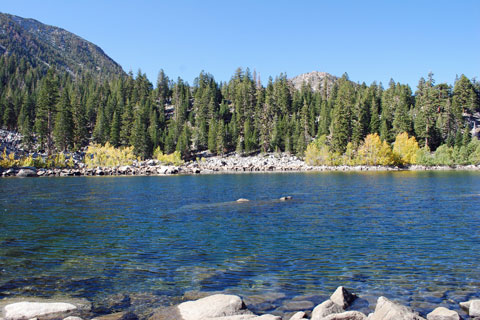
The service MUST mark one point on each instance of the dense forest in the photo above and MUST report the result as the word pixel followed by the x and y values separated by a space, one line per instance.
pixel 56 111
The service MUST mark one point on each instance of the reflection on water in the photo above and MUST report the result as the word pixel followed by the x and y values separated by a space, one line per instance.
pixel 412 236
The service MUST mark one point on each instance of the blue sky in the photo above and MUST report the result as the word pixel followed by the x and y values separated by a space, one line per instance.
pixel 370 40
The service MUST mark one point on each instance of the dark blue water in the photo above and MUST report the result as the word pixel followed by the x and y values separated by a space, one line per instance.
pixel 411 236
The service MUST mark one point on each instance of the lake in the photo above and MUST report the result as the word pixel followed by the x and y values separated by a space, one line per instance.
pixel 410 236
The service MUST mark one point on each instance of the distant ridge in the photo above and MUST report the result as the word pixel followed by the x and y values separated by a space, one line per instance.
pixel 315 79
pixel 42 44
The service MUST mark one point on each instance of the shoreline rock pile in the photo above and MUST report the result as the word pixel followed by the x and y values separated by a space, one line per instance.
pixel 232 307
pixel 231 164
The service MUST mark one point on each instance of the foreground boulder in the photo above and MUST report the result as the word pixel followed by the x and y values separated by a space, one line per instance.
pixel 442 313
pixel 339 301
pixel 298 316
pixel 29 310
pixel 389 310
pixel 342 297
pixel 472 307
pixel 326 308
pixel 347 315
pixel 218 305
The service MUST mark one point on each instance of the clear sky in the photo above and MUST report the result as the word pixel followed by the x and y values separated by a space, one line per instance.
pixel 370 40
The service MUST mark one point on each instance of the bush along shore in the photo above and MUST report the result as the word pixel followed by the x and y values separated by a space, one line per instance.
pixel 340 305
pixel 227 164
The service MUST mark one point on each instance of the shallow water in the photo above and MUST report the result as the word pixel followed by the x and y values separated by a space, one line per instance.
pixel 411 236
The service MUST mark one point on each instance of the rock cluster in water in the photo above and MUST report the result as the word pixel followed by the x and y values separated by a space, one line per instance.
pixel 231 307
pixel 230 164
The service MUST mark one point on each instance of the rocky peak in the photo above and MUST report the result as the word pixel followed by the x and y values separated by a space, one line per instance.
pixel 315 79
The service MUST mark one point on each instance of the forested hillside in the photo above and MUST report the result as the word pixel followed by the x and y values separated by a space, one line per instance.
pixel 61 112
pixel 46 46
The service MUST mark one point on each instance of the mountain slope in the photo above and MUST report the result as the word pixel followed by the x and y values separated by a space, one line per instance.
pixel 42 44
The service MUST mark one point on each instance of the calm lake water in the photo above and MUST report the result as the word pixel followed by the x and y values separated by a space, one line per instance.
pixel 411 236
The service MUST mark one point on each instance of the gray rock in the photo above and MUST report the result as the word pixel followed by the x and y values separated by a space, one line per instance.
pixel 28 310
pixel 388 310
pixel 298 305
pixel 342 297
pixel 246 317
pixel 472 307
pixel 347 315
pixel 243 200
pixel 217 305
pixel 236 317
pixel 326 308
pixel 442 313
pixel 27 172
pixel 298 316
pixel 124 169
pixel 118 316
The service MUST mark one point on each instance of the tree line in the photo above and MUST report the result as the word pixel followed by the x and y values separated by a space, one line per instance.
pixel 57 111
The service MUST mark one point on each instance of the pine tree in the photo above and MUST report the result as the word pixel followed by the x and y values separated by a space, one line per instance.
pixel 341 129
pixel 140 138
pixel 63 131
pixel 212 136
pixel 221 138
pixel 127 124
pixel 464 97
pixel 183 145
pixel 46 105
pixel 115 130
pixel 374 117
pixel 100 131
pixel 80 131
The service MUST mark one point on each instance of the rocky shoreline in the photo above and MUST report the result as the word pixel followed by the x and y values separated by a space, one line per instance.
pixel 339 306
pixel 212 165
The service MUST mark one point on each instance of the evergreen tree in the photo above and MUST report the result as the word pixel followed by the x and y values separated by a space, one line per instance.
pixel 341 129
pixel 140 137
pixel 115 130
pixel 46 105
pixel 212 136
pixel 127 124
pixel 63 131
pixel 80 131
pixel 100 132
pixel 221 138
